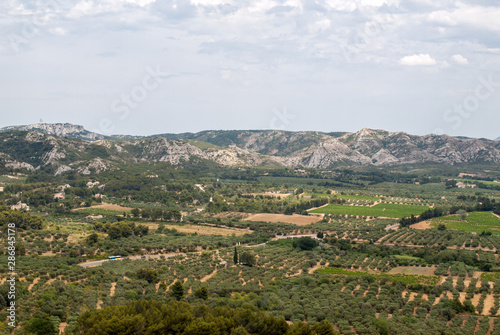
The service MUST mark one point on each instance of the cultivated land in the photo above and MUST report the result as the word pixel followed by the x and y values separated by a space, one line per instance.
pixel 106 207
pixel 300 220
pixel 354 274
pixel 381 210
pixel 476 222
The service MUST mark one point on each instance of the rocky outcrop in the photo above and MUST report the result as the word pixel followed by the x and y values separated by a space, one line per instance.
pixel 34 150
pixel 58 129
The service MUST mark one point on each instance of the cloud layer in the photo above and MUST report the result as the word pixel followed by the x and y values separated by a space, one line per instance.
pixel 227 64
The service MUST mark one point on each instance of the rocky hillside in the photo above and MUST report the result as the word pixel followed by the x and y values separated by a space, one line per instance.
pixel 58 129
pixel 35 149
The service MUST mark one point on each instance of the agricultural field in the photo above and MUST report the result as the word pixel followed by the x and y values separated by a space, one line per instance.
pixel 234 243
pixel 379 210
pixel 300 220
pixel 476 222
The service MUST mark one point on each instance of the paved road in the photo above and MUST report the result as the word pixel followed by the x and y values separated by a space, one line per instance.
pixel 392 227
pixel 96 263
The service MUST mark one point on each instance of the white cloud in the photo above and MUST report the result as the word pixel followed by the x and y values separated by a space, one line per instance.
pixel 209 2
pixel 459 59
pixel 416 60
pixel 58 31
pixel 89 7
pixel 350 5
pixel 260 53
pixel 319 26
pixel 485 18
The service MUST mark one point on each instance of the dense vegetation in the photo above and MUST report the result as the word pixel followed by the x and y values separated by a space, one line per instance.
pixel 193 263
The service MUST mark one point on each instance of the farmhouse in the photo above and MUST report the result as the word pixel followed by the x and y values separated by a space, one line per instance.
pixel 463 185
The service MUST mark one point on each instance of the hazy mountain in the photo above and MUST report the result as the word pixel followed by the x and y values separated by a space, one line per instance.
pixel 58 129
pixel 36 149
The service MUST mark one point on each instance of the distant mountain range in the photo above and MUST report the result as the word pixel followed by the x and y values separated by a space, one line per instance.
pixel 66 147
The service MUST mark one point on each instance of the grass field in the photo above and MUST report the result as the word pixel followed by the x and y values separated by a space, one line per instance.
pixel 104 209
pixel 409 258
pixel 383 210
pixel 475 222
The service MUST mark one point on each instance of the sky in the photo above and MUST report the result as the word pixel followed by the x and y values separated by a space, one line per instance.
pixel 143 67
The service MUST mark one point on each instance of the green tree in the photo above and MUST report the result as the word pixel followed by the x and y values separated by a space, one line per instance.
pixel 114 232
pixel 92 239
pixel 178 290
pixel 135 212
pixel 305 243
pixel 20 249
pixel 201 293
pixel 200 327
pixel 300 328
pixel 462 213
pixel 41 327
pixel 235 257
pixel 150 275
pixel 324 328
pixel 248 258
pixel 382 326
pixel 239 331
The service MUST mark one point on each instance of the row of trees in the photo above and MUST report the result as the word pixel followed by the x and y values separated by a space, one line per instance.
pixel 157 214
pixel 22 220
pixel 121 229
pixel 152 317
pixel 428 214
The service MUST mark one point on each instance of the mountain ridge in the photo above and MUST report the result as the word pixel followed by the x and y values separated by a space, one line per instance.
pixel 66 147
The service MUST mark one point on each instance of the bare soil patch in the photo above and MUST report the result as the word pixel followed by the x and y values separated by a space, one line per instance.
pixel 413 270
pixel 314 268
pixel 422 225
pixel 489 302
pixel 412 296
pixel 299 220
pixel 205 230
pixel 110 207
pixel 475 299
pixel 207 277
pixel 62 327
pixel 33 283
pixel 113 289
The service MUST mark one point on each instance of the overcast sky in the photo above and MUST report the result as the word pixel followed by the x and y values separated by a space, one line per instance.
pixel 154 66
